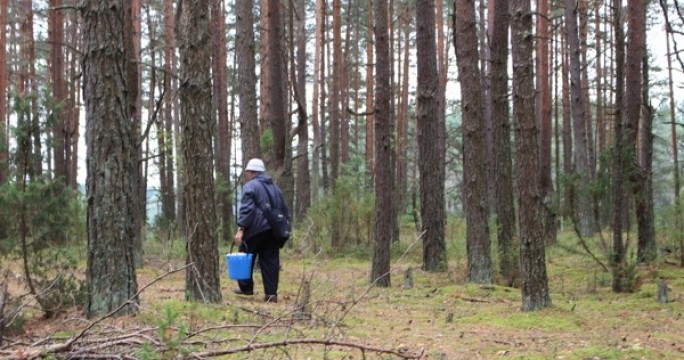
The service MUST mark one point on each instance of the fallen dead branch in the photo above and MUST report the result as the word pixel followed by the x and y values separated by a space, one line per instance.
pixel 3 297
pixel 38 352
pixel 324 342
pixel 130 346
pixel 100 340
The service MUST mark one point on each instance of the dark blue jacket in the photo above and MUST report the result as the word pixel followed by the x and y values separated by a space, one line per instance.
pixel 255 198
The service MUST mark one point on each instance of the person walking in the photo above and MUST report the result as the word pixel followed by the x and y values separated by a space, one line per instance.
pixel 254 233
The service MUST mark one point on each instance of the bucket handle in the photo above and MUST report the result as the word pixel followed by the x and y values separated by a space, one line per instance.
pixel 232 245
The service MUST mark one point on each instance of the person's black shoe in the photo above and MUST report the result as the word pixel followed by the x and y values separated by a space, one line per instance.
pixel 271 298
pixel 240 292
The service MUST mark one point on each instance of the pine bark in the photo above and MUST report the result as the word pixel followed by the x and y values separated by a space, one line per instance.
pixel 582 199
pixel 325 60
pixel 193 33
pixel 474 168
pixel 303 188
pixel 112 147
pixel 583 10
pixel 568 192
pixel 27 146
pixel 244 46
pixel 316 116
pixel 56 40
pixel 4 144
pixel 380 272
pixel 335 117
pixel 74 91
pixel 132 8
pixel 429 127
pixel 505 210
pixel 345 86
pixel 647 250
pixel 544 117
pixel 166 152
pixel 223 143
pixel 675 157
pixel 535 290
pixel 600 90
pixel 370 98
pixel 35 157
pixel 403 119
pixel 335 95
pixel 618 190
pixel 274 113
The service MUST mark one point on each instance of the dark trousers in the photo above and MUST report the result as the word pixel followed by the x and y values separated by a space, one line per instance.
pixel 266 248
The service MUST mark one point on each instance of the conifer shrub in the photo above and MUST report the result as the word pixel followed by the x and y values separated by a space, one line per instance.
pixel 43 230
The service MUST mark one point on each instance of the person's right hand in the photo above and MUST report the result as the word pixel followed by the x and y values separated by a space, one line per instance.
pixel 238 237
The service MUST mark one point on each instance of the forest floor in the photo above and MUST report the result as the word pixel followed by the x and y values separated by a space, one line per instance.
pixel 439 317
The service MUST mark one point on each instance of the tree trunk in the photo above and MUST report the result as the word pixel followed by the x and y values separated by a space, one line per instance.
pixel 56 39
pixel 303 188
pixel 35 160
pixel 345 87
pixel 600 90
pixel 544 119
pixel 27 147
pixel 618 189
pixel 370 99
pixel 154 117
pixel 316 116
pixel 4 144
pixel 166 152
pixel 335 98
pixel 582 209
pixel 380 272
pixel 220 85
pixel 568 192
pixel 160 121
pixel 474 168
pixel 335 116
pixel 583 10
pixel 274 111
pixel 325 59
pixel 244 46
pixel 112 150
pixel 535 290
pixel 647 250
pixel 601 201
pixel 679 229
pixel 132 9
pixel 505 210
pixel 633 95
pixel 403 120
pixel 72 106
pixel 202 278
pixel 429 130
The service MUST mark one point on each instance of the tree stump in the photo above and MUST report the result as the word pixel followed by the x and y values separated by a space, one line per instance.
pixel 662 292
pixel 408 278
pixel 303 305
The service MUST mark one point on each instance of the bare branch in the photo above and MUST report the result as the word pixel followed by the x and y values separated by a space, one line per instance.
pixel 325 342
pixel 58 348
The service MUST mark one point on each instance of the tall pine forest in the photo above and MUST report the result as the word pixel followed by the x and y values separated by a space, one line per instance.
pixel 470 138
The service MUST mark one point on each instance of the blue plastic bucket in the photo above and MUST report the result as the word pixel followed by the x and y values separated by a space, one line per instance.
pixel 239 266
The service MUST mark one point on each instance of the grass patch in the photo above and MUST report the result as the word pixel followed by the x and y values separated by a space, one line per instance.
pixel 441 315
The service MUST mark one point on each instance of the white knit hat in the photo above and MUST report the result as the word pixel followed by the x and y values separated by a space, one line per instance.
pixel 255 165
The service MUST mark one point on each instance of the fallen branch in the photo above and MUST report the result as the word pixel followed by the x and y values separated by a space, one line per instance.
pixel 372 285
pixel 67 346
pixel 325 342
pixel 3 297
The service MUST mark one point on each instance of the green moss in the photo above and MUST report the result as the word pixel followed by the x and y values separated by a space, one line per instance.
pixel 548 319
pixel 624 351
